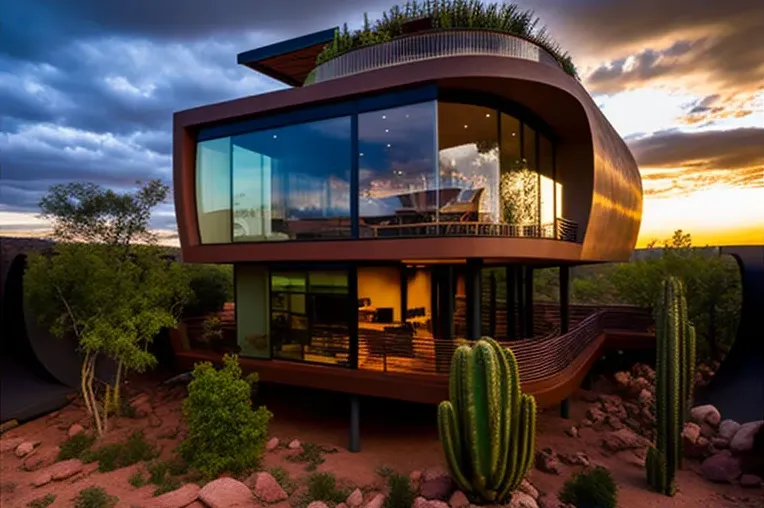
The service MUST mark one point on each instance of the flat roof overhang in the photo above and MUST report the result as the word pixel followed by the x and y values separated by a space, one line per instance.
pixel 288 61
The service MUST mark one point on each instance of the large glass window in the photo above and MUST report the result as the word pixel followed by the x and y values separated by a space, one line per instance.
pixel 310 314
pixel 213 190
pixel 397 171
pixel 468 143
pixel 292 182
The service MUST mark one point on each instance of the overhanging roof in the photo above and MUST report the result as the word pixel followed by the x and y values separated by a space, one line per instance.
pixel 288 61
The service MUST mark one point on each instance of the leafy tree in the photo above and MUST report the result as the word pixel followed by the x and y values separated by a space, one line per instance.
pixel 211 286
pixel 111 295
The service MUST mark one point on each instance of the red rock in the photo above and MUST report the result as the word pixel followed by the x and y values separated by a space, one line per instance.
pixel 436 484
pixel 179 498
pixel 728 429
pixel 267 489
pixel 421 502
pixel 317 504
pixel 41 458
pixel 528 488
pixel 226 493
pixel 42 479
pixel 546 462
pixel 64 469
pixel 624 439
pixel 355 499
pixel 744 437
pixel 521 500
pixel 750 481
pixel 9 444
pixel 706 414
pixel 415 476
pixel 379 500
pixel 75 429
pixel 458 500
pixel 272 444
pixel 294 444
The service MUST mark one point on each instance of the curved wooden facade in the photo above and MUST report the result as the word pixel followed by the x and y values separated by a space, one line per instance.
pixel 602 181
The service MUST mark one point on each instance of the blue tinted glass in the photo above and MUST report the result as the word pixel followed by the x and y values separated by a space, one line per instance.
pixel 292 182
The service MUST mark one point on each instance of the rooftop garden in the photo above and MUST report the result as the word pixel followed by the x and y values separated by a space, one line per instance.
pixel 432 15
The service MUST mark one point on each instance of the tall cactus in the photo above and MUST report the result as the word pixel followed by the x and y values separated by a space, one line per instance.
pixel 674 374
pixel 488 427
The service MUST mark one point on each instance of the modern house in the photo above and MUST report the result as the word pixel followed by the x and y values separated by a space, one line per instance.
pixel 362 207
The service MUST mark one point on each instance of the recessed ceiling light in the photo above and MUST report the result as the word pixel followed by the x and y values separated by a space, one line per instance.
pixel 275 136
pixel 360 154
pixel 465 126
pixel 388 145
pixel 384 117
pixel 387 130
pixel 514 134
pixel 488 115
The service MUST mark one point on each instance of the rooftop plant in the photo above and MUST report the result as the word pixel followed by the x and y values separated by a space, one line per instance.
pixel 448 14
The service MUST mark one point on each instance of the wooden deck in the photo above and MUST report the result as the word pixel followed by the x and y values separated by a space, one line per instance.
pixel 552 367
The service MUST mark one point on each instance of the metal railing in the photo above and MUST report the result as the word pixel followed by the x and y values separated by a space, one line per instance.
pixel 562 229
pixel 429 45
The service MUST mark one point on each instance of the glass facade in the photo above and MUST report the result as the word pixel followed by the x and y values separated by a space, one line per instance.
pixel 310 315
pixel 424 169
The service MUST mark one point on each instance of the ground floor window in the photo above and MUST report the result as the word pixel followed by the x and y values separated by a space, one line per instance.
pixel 310 316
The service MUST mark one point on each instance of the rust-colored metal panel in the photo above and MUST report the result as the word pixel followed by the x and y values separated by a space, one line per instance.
pixel 603 189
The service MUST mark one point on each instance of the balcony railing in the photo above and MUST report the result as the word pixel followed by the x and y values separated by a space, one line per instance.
pixel 562 229
pixel 428 45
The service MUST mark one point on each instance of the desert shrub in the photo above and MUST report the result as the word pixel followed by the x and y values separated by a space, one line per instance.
pixel 95 497
pixel 590 489
pixel 118 455
pixel 42 502
pixel 168 485
pixel 224 432
pixel 402 493
pixel 323 487
pixel 284 479
pixel 312 454
pixel 137 479
pixel 76 446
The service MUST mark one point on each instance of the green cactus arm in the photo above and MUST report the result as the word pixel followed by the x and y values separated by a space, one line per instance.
pixel 515 399
pixel 469 419
pixel 457 389
pixel 506 412
pixel 488 364
pixel 449 436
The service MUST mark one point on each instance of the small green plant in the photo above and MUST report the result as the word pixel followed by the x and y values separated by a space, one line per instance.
pixel 323 487
pixel 591 489
pixel 385 471
pixel 42 502
pixel 158 472
pixel 118 455
pixel 95 497
pixel 284 479
pixel 224 432
pixel 401 492
pixel 137 479
pixel 168 485
pixel 76 446
pixel 312 454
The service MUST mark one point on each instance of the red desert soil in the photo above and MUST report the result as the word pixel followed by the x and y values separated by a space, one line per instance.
pixel 394 435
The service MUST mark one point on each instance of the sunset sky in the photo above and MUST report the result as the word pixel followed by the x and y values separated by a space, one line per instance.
pixel 87 92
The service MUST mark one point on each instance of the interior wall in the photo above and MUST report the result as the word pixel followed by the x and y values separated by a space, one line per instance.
pixel 419 290
pixel 382 285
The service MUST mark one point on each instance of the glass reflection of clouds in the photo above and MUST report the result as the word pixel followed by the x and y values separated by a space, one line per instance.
pixel 293 182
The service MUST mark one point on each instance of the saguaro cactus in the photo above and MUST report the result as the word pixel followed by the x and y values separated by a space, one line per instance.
pixel 488 427
pixel 674 373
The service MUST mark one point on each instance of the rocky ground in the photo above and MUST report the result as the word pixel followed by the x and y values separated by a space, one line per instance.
pixel 610 426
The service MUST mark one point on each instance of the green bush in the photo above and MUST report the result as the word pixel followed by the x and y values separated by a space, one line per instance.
pixel 42 502
pixel 118 455
pixel 401 494
pixel 284 479
pixel 591 489
pixel 95 497
pixel 137 479
pixel 211 287
pixel 76 446
pixel 225 434
pixel 323 487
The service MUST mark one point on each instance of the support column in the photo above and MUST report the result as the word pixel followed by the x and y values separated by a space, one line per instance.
pixel 520 281
pixel 355 424
pixel 528 302
pixel 353 318
pixel 443 299
pixel 564 321
pixel 511 303
pixel 474 296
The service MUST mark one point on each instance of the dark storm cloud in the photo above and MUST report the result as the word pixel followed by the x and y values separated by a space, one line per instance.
pixel 709 150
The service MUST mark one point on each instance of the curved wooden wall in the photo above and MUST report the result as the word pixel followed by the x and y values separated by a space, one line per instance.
pixel 603 190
